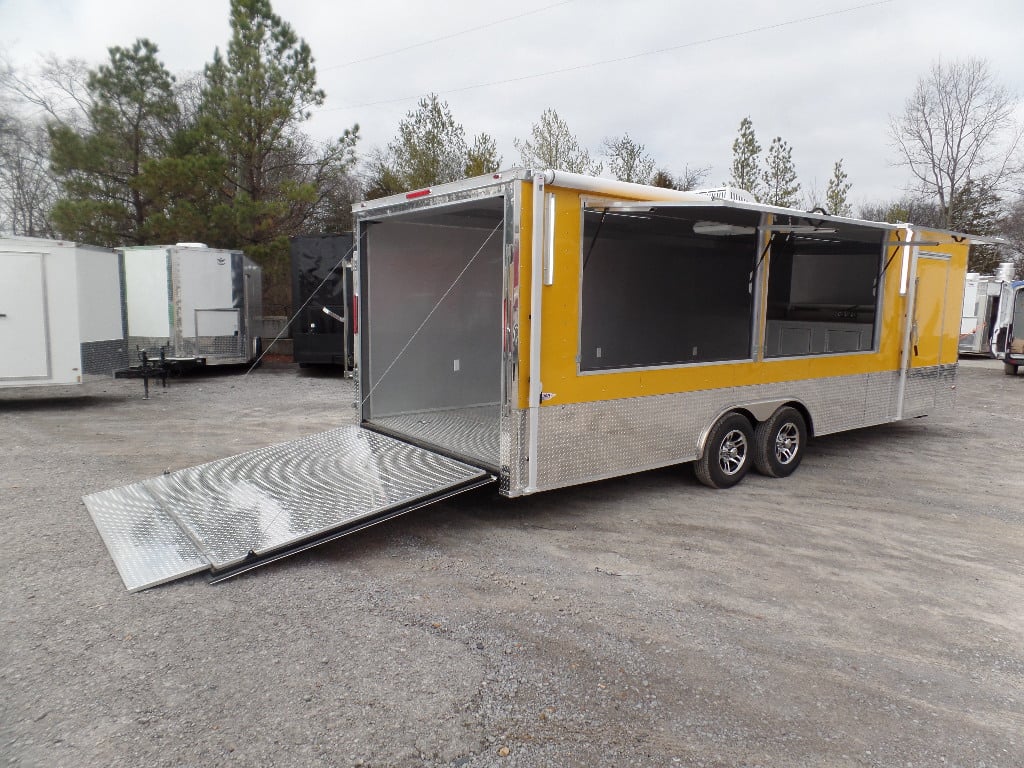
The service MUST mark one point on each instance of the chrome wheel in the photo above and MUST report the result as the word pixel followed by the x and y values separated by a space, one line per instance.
pixel 732 454
pixel 787 443
pixel 779 442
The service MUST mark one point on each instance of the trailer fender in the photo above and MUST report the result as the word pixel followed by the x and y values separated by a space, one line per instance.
pixel 756 412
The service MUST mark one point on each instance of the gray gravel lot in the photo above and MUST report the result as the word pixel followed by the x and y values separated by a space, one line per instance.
pixel 868 611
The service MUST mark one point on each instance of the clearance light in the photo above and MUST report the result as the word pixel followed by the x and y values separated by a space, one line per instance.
pixel 417 193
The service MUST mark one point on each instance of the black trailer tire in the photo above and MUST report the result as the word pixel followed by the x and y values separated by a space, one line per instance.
pixel 1009 369
pixel 779 443
pixel 728 452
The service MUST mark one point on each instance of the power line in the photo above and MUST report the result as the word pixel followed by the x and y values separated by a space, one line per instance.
pixel 447 37
pixel 578 67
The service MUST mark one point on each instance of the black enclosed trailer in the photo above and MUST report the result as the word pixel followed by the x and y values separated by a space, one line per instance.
pixel 322 280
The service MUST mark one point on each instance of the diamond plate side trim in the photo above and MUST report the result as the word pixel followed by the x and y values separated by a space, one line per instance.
pixel 591 441
pixel 929 390
pixel 264 500
pixel 102 358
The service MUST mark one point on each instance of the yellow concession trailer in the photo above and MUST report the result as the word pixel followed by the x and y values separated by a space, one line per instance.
pixel 558 328
pixel 539 329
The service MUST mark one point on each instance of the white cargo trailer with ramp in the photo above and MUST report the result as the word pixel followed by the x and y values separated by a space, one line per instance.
pixel 544 329
pixel 60 312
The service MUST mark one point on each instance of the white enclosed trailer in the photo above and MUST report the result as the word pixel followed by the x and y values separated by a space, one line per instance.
pixel 194 304
pixel 60 312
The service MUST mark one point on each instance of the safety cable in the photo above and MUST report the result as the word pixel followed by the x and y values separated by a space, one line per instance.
pixel 878 277
pixel 292 318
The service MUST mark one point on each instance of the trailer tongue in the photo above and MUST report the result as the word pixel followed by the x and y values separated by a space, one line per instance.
pixel 235 514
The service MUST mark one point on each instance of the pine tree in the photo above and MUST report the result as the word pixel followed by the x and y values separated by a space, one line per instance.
pixel 836 195
pixel 252 105
pixel 780 185
pixel 746 153
pixel 101 168
pixel 430 147
pixel 482 156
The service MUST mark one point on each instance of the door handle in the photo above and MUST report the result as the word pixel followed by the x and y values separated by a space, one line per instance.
pixel 2 314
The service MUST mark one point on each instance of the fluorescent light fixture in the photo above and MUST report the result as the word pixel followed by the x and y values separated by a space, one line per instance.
pixel 720 228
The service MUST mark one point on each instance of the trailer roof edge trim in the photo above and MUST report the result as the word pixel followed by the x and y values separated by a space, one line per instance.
pixel 628 207
pixel 551 177
pixel 644 196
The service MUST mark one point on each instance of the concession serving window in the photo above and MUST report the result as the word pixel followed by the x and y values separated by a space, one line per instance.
pixel 823 289
pixel 666 285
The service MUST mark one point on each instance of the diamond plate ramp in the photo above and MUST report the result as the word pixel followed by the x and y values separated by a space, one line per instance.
pixel 259 506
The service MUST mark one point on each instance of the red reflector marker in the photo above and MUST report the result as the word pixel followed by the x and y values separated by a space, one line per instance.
pixel 417 193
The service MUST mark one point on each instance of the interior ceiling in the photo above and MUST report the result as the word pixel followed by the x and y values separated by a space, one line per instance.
pixel 677 220
pixel 475 214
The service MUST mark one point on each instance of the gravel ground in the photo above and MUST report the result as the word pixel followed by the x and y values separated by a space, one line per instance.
pixel 868 611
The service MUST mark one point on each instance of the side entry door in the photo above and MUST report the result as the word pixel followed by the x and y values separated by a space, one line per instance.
pixel 24 336
pixel 932 342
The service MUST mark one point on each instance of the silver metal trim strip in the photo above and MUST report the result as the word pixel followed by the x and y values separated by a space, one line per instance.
pixel 536 280
pixel 908 321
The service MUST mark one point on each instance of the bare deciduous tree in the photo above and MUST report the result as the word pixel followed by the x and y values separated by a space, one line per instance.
pixel 27 188
pixel 690 178
pixel 958 126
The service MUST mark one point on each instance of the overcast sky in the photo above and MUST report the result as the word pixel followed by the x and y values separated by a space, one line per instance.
pixel 677 76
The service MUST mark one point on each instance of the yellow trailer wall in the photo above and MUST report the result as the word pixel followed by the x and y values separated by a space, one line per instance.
pixel 560 322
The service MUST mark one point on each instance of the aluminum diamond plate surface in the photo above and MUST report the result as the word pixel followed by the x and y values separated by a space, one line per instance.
pixel 216 514
pixel 471 432
pixel 583 442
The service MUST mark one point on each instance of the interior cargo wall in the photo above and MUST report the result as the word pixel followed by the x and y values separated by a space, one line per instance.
pixel 454 361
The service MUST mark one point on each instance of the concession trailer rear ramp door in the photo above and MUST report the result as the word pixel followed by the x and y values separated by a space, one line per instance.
pixel 237 513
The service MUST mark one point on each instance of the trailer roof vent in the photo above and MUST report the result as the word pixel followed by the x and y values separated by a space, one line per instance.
pixel 190 245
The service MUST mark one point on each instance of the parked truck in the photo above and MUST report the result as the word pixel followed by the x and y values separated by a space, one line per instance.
pixel 60 312
pixel 539 329
pixel 1008 334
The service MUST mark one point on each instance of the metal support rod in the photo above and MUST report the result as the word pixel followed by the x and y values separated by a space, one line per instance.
pixel 908 321
pixel 536 286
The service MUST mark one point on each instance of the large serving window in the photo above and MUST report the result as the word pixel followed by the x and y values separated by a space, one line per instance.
pixel 822 289
pixel 666 286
